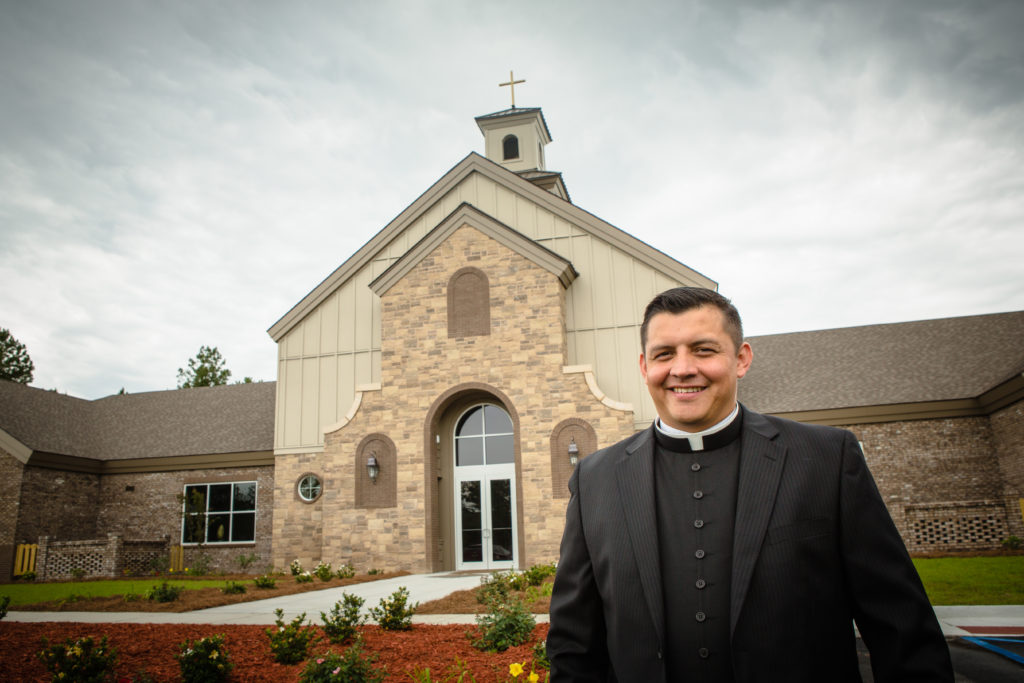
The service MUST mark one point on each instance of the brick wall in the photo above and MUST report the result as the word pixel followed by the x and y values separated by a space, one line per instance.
pixel 940 480
pixel 11 471
pixel 1008 436
pixel 423 374
pixel 59 504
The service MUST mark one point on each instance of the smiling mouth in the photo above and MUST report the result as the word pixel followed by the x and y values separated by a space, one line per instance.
pixel 687 390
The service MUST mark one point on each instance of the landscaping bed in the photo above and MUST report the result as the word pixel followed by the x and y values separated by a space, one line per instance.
pixel 148 650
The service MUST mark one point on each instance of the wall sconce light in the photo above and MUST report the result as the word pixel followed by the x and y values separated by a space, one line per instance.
pixel 574 452
pixel 372 468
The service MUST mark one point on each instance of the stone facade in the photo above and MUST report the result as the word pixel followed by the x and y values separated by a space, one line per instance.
pixel 427 377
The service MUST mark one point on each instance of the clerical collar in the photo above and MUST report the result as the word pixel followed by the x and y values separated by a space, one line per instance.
pixel 717 436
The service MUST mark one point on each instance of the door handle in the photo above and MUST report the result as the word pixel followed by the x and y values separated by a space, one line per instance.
pixel 487 533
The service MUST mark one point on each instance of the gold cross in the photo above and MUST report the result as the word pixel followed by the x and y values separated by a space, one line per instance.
pixel 512 87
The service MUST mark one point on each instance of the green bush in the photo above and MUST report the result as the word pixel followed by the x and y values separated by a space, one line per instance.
pixel 295 567
pixel 200 565
pixel 160 564
pixel 540 655
pixel 165 592
pixel 373 572
pixel 344 619
pixel 27 576
pixel 507 624
pixel 323 571
pixel 493 588
pixel 265 581
pixel 233 588
pixel 205 660
pixel 81 660
pixel 1012 543
pixel 304 577
pixel 290 644
pixel 345 571
pixel 246 561
pixel 351 667
pixel 536 574
pixel 395 614
pixel 131 597
pixel 4 602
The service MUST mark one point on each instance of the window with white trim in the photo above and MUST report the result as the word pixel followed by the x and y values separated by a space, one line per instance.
pixel 219 513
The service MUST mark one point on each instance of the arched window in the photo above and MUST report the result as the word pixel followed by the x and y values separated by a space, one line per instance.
pixel 510 147
pixel 469 303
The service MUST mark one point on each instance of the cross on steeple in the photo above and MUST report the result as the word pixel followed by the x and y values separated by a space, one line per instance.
pixel 512 87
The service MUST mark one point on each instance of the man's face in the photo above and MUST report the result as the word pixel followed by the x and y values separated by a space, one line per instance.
pixel 691 366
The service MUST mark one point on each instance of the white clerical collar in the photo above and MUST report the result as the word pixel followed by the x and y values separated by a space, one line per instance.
pixel 696 439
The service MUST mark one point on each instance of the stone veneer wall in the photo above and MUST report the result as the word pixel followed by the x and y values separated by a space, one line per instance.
pixel 1008 435
pixel 422 370
pixel 11 471
pixel 940 481
pixel 144 506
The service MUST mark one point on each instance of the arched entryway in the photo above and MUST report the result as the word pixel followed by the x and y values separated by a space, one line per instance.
pixel 473 481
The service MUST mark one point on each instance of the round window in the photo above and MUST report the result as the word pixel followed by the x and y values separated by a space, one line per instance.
pixel 310 487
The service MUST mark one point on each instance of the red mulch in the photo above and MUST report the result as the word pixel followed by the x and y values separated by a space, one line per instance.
pixel 150 649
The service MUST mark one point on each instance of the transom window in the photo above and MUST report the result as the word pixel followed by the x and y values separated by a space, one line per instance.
pixel 484 436
pixel 310 487
pixel 219 513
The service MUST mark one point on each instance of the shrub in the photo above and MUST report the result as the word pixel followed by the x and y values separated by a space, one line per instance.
pixel 304 577
pixel 493 588
pixel 344 619
pixel 540 655
pixel 77 573
pixel 345 571
pixel 246 561
pixel 131 597
pixel 373 572
pixel 81 660
pixel 265 581
pixel 233 588
pixel 536 574
pixel 4 602
pixel 323 571
pixel 1012 543
pixel 295 567
pixel 507 624
pixel 200 565
pixel 27 576
pixel 204 660
pixel 457 672
pixel 160 564
pixel 164 592
pixel 395 614
pixel 352 667
pixel 290 644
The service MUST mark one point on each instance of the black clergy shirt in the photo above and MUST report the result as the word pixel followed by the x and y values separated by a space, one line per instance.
pixel 695 495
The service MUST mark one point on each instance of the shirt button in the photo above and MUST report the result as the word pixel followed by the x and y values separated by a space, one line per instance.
pixel 701 583
pixel 701 616
pixel 704 653
pixel 699 554
pixel 698 494
pixel 695 467
pixel 698 523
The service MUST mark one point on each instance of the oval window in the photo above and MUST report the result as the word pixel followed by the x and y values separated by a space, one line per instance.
pixel 310 487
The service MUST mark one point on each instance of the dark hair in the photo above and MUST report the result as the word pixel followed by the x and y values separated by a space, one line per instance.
pixel 682 299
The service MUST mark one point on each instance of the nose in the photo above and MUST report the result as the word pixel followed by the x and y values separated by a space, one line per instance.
pixel 683 365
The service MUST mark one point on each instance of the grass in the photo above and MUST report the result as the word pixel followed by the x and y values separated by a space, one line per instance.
pixel 997 580
pixel 28 593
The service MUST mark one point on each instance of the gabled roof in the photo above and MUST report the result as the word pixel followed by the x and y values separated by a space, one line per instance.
pixel 965 365
pixel 467 214
pixel 237 418
pixel 515 111
pixel 474 163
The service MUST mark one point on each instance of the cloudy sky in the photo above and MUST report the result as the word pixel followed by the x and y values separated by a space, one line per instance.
pixel 165 167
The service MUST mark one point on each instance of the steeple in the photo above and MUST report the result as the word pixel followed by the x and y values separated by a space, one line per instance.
pixel 515 138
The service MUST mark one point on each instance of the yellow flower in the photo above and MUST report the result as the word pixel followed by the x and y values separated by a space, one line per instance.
pixel 516 669
pixel 534 677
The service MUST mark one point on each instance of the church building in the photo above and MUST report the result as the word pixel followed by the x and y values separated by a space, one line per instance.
pixel 435 391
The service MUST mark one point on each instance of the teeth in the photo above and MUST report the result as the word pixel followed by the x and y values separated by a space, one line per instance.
pixel 687 390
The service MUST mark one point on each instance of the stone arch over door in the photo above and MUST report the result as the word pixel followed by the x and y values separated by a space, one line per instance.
pixel 438 471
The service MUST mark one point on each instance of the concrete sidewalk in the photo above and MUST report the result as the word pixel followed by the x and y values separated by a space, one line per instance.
pixel 972 620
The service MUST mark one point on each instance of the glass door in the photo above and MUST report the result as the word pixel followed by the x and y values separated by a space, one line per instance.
pixel 485 532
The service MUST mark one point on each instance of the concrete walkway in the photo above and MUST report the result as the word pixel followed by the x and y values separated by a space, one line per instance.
pixel 973 620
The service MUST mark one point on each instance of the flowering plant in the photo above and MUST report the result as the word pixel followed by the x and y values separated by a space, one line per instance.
pixel 290 643
pixel 204 660
pixel 515 670
pixel 79 660
pixel 352 667
pixel 323 571
pixel 295 567
pixel 304 577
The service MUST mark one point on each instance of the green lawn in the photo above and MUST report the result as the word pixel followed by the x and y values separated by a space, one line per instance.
pixel 973 580
pixel 28 593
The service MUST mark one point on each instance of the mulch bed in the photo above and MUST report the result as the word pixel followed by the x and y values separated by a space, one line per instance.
pixel 148 650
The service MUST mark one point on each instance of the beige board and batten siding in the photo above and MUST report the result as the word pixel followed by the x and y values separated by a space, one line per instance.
pixel 336 346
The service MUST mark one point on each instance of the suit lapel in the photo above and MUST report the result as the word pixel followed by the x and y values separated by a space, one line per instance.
pixel 636 486
pixel 761 464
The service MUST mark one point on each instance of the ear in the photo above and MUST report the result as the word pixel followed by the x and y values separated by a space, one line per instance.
pixel 643 367
pixel 743 359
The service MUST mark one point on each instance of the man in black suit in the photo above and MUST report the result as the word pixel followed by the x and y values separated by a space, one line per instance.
pixel 724 545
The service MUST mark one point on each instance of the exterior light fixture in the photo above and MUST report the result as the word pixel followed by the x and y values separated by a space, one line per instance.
pixel 574 452
pixel 372 468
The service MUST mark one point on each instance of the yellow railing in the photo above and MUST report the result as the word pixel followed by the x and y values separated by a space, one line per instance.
pixel 177 558
pixel 25 558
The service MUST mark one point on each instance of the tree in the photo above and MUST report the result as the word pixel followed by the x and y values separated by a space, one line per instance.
pixel 205 370
pixel 15 365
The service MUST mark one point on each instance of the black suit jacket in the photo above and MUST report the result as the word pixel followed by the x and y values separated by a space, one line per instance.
pixel 814 549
